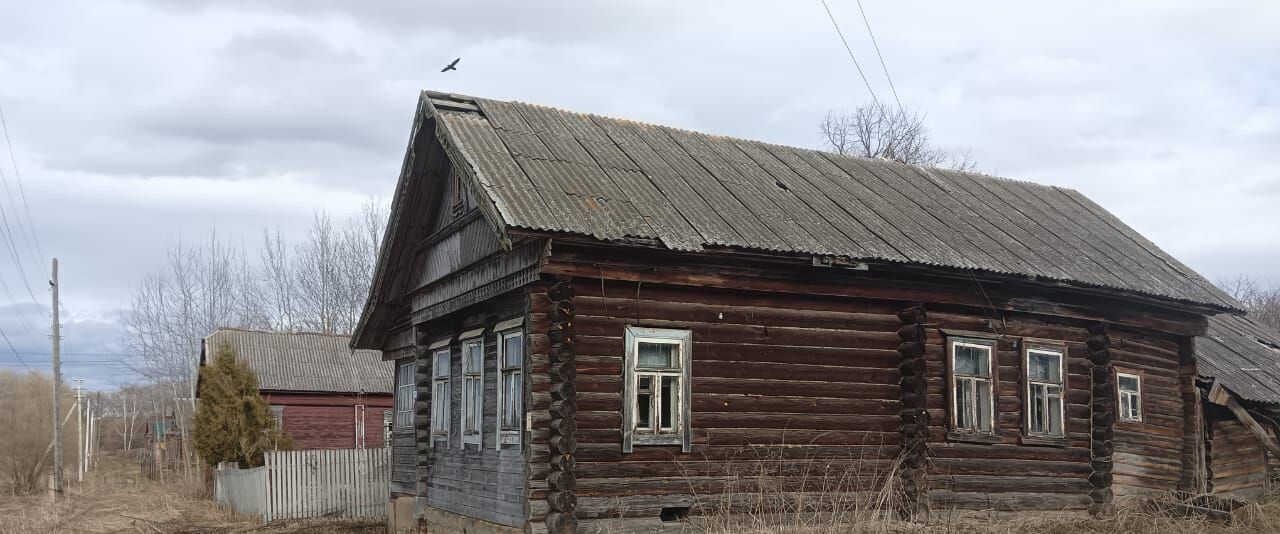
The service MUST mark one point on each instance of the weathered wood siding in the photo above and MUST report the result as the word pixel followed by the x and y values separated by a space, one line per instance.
pixel 818 374
pixel 1236 459
pixel 328 421
pixel 1149 455
pixel 1008 474
pixel 404 461
pixel 476 481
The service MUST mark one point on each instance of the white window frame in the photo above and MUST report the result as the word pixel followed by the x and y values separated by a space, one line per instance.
pixel 954 378
pixel 472 404
pixel 277 412
pixel 406 394
pixel 1135 394
pixel 358 423
pixel 509 434
pixel 441 403
pixel 680 432
pixel 1061 354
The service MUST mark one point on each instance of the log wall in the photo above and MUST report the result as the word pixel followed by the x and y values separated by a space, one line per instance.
pixel 1006 473
pixel 817 374
pixel 1149 455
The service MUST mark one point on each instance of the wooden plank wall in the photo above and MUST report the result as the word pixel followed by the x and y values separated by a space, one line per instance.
pixel 816 374
pixel 1235 458
pixel 480 482
pixel 1149 456
pixel 1008 475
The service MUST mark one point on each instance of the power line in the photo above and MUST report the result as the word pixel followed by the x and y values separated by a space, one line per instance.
pixel 878 54
pixel 850 51
pixel 31 224
pixel 15 351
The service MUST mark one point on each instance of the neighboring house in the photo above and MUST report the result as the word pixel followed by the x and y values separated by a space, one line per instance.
pixel 323 394
pixel 597 320
pixel 1238 362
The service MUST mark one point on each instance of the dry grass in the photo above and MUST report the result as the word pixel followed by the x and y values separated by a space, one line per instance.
pixel 116 499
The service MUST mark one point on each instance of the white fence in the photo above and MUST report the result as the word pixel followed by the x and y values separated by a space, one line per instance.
pixel 319 483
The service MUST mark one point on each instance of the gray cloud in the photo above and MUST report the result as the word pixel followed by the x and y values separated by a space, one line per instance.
pixel 138 122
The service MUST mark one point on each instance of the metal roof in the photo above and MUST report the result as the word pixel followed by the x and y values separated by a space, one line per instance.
pixel 550 170
pixel 300 361
pixel 1243 356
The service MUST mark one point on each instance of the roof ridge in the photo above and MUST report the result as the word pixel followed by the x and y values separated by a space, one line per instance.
pixel 278 332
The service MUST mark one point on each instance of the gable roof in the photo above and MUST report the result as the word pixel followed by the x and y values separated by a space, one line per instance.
pixel 1243 356
pixel 302 361
pixel 548 170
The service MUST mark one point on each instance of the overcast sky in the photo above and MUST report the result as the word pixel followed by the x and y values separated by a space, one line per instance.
pixel 137 122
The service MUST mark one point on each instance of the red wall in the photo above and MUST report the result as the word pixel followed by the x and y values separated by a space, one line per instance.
pixel 327 421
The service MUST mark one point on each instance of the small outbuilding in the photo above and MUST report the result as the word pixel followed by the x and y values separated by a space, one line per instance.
pixel 603 323
pixel 323 394
pixel 1238 363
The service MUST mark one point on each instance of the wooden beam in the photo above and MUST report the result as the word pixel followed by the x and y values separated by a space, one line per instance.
pixel 1220 396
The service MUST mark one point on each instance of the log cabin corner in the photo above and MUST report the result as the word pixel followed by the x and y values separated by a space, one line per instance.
pixel 597 320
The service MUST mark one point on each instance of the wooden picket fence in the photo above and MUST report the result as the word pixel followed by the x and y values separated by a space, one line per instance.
pixel 315 483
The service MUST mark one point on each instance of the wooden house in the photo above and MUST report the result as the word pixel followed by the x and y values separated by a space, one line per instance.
pixel 596 320
pixel 323 394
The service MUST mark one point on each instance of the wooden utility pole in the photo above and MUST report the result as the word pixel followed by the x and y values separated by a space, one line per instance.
pixel 56 484
pixel 80 429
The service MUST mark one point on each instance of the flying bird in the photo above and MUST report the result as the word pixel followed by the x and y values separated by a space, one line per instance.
pixel 451 66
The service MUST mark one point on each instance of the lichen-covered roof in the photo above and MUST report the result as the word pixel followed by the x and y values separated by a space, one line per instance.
pixel 302 361
pixel 551 170
pixel 1243 356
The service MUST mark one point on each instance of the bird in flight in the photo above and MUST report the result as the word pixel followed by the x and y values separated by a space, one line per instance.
pixel 451 66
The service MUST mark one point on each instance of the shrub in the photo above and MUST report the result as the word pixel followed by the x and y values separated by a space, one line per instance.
pixel 232 422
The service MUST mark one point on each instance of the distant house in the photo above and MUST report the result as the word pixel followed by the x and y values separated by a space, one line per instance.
pixel 325 395
pixel 1238 364
pixel 604 324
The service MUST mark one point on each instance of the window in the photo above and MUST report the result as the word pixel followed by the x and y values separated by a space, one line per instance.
pixel 405 395
pixel 972 403
pixel 277 412
pixel 472 389
pixel 1044 373
pixel 657 388
pixel 510 386
pixel 440 408
pixel 388 423
pixel 1130 387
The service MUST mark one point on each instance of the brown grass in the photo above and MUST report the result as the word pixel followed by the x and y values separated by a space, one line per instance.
pixel 116 499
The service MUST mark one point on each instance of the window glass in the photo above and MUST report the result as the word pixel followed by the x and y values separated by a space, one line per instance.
pixel 1044 367
pixel 512 352
pixel 658 355
pixel 1128 383
pixel 644 402
pixel 972 360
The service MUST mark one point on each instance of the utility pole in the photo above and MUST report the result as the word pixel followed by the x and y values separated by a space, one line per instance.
pixel 80 429
pixel 56 484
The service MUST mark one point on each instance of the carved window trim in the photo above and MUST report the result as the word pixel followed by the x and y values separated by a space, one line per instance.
pixel 679 432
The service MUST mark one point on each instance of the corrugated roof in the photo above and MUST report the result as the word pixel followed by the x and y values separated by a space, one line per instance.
pixel 287 361
pixel 551 170
pixel 1243 356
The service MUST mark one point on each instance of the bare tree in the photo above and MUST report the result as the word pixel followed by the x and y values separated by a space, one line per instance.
pixel 879 131
pixel 1262 301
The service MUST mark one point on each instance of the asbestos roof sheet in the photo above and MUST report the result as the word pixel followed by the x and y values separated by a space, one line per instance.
pixel 1243 356
pixel 551 170
pixel 311 362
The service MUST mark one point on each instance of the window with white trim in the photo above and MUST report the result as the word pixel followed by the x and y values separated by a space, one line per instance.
pixel 972 386
pixel 472 389
pixel 1044 377
pixel 440 408
pixel 657 388
pixel 1130 390
pixel 510 386
pixel 277 412
pixel 405 394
